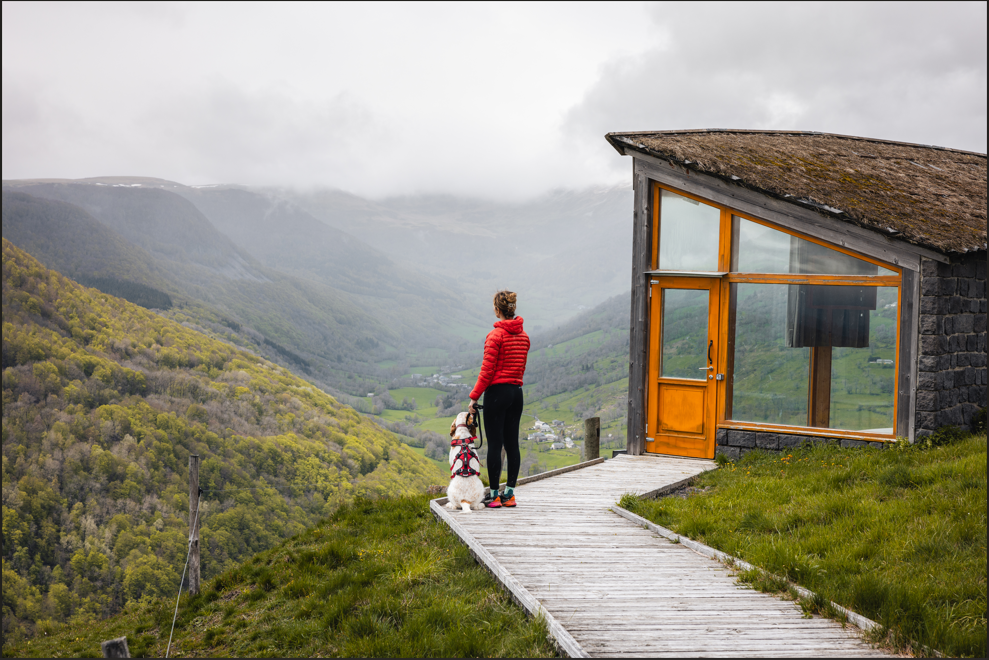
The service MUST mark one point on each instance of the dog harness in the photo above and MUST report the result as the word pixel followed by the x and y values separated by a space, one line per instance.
pixel 463 464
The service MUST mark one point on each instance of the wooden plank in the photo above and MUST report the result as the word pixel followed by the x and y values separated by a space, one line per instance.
pixel 855 618
pixel 563 638
pixel 608 585
pixel 907 359
pixel 639 330
pixel 786 214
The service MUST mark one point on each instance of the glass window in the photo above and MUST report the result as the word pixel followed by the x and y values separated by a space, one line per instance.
pixel 761 249
pixel 685 343
pixel 862 375
pixel 770 377
pixel 848 334
pixel 689 234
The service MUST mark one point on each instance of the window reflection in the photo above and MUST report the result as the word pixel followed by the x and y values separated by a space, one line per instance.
pixel 770 378
pixel 684 335
pixel 689 234
pixel 761 249
pixel 862 377
pixel 852 332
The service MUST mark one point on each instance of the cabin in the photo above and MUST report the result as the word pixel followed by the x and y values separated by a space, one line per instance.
pixel 793 287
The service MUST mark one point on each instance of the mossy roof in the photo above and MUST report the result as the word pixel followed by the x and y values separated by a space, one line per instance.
pixel 929 196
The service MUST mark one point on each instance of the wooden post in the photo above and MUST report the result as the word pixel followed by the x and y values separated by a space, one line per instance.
pixel 194 523
pixel 115 648
pixel 592 438
pixel 639 318
pixel 819 391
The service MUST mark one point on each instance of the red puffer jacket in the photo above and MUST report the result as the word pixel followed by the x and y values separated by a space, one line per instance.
pixel 506 350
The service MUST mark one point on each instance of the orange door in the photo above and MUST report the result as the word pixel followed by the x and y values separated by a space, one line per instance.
pixel 683 366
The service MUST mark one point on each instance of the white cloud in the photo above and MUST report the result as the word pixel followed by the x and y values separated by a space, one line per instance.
pixel 900 71
pixel 495 100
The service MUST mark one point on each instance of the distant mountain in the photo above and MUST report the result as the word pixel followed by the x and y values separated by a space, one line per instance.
pixel 589 350
pixel 283 236
pixel 563 252
pixel 75 242
pixel 159 239
pixel 103 403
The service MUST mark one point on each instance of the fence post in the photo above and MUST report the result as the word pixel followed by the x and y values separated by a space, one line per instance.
pixel 115 648
pixel 592 438
pixel 194 523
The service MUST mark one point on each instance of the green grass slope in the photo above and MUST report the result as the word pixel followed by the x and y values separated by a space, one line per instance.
pixel 92 233
pixel 377 579
pixel 897 535
pixel 104 401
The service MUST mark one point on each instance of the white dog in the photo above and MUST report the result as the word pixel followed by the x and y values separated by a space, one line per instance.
pixel 466 489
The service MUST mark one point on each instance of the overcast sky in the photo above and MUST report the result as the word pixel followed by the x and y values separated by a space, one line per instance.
pixel 492 100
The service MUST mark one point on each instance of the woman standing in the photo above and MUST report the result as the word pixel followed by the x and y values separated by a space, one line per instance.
pixel 506 350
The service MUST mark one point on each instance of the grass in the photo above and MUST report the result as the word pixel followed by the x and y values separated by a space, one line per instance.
pixel 378 578
pixel 896 535
pixel 424 396
pixel 442 467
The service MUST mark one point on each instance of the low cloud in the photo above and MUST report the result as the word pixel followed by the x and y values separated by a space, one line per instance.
pixel 900 71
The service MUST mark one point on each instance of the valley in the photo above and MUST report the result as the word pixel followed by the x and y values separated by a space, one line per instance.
pixel 296 358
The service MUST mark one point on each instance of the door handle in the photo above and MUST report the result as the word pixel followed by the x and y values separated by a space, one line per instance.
pixel 709 360
pixel 705 368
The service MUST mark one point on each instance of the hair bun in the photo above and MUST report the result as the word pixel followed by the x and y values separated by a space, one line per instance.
pixel 505 302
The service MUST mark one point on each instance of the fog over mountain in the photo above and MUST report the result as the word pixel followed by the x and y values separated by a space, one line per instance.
pixel 348 290
pixel 499 101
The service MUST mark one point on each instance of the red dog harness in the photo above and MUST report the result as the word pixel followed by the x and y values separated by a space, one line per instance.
pixel 462 463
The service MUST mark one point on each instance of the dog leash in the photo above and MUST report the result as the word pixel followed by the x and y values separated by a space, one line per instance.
pixel 480 433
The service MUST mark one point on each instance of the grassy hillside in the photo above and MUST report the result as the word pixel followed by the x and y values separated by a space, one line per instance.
pixel 103 402
pixel 305 325
pixel 377 579
pixel 897 535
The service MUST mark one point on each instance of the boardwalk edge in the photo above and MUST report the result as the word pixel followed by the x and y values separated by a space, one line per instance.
pixel 563 639
pixel 854 618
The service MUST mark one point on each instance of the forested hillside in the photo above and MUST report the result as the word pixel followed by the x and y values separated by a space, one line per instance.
pixel 117 238
pixel 103 401
pixel 587 351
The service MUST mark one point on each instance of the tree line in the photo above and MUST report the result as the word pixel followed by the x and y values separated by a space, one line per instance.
pixel 103 402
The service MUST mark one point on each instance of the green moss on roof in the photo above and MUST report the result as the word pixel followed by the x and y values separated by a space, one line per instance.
pixel 929 196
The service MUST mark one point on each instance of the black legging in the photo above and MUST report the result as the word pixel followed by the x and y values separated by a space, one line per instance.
pixel 502 414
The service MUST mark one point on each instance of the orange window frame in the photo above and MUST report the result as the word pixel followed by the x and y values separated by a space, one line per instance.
pixel 725 249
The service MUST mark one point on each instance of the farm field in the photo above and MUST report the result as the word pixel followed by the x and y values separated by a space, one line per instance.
pixel 442 469
pixel 576 371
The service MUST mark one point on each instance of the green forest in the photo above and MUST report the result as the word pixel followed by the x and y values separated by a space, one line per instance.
pixel 349 335
pixel 103 401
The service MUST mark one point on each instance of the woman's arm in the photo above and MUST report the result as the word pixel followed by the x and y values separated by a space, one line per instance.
pixel 492 347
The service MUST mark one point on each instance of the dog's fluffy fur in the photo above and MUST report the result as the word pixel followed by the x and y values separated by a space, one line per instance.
pixel 464 492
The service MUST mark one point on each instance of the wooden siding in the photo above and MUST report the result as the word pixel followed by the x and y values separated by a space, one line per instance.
pixel 750 202
pixel 609 587
pixel 635 439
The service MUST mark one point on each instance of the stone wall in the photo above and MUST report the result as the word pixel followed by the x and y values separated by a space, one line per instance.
pixel 734 443
pixel 951 383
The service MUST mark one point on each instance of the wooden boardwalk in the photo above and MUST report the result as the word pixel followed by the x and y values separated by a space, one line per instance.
pixel 612 588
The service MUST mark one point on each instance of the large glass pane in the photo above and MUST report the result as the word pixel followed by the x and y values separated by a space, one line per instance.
pixel 689 234
pixel 770 378
pixel 761 249
pixel 684 335
pixel 851 330
pixel 862 378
